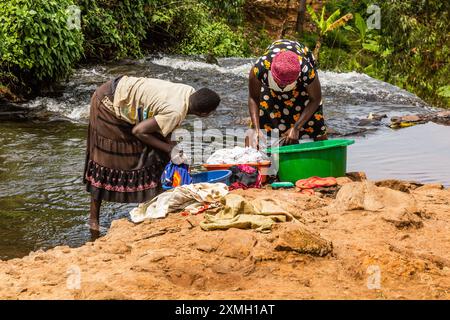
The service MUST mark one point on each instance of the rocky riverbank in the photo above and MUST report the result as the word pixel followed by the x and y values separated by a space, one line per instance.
pixel 362 240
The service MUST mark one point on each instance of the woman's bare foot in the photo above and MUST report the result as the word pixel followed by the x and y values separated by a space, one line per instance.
pixel 94 217
pixel 94 225
pixel 95 234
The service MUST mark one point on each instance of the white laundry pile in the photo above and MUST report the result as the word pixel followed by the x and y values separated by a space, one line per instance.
pixel 190 198
pixel 236 155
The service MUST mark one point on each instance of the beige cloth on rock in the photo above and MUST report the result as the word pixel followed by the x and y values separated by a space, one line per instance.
pixel 137 99
pixel 237 212
pixel 184 198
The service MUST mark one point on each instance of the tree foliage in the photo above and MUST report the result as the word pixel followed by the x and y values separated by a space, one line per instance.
pixel 113 29
pixel 37 44
pixel 418 35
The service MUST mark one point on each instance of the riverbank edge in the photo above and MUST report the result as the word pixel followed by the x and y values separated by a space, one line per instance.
pixel 394 230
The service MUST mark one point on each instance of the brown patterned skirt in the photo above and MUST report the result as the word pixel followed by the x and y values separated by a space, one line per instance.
pixel 119 167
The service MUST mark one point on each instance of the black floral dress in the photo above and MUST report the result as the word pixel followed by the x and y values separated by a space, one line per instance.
pixel 281 110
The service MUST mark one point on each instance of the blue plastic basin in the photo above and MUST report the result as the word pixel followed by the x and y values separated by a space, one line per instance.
pixel 214 176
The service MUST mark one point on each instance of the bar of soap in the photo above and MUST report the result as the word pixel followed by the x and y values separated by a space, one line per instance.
pixel 277 185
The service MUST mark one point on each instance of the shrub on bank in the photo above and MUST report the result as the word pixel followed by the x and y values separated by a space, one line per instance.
pixel 191 28
pixel 37 45
pixel 113 29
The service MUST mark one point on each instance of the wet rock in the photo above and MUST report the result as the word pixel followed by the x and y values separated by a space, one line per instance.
pixel 296 238
pixel 442 117
pixel 376 116
pixel 367 122
pixel 404 186
pixel 373 119
pixel 211 59
pixel 411 118
pixel 17 112
pixel 356 176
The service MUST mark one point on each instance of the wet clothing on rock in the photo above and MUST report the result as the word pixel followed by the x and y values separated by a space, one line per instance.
pixel 175 175
pixel 244 176
pixel 118 167
pixel 236 155
pixel 281 108
pixel 237 212
pixel 189 198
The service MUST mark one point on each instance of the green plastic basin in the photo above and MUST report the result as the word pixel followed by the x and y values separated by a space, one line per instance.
pixel 321 158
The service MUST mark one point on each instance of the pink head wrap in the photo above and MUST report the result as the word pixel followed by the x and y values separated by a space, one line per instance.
pixel 285 68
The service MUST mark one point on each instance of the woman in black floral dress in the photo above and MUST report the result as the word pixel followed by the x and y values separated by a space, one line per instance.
pixel 285 93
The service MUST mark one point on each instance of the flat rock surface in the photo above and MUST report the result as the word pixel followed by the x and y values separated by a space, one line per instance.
pixel 368 242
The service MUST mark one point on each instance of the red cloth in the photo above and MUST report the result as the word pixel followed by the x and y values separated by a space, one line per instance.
pixel 246 168
pixel 285 68
pixel 249 170
pixel 237 185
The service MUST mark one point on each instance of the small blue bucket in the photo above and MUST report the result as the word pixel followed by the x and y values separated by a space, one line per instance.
pixel 214 176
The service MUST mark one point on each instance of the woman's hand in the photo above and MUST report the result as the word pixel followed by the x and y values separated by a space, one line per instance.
pixel 171 146
pixel 255 136
pixel 292 136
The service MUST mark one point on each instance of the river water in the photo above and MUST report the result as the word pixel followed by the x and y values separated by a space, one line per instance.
pixel 42 199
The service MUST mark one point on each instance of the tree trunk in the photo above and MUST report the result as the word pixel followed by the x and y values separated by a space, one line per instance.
pixel 301 17
pixel 317 48
pixel 284 27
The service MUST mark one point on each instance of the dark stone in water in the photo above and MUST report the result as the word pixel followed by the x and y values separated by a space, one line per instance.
pixel 13 112
pixel 16 112
pixel 369 122
pixel 442 117
pixel 209 58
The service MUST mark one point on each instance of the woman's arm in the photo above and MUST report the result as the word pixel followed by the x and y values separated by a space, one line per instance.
pixel 315 97
pixel 254 90
pixel 145 130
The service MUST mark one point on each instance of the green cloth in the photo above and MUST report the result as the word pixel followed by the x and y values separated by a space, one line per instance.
pixel 237 212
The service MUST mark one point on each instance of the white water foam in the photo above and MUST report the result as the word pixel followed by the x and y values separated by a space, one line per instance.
pixel 340 89
pixel 181 64
pixel 350 83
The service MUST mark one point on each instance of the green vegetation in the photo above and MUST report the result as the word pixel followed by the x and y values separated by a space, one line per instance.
pixel 38 47
pixel 327 25
pixel 113 29
pixel 417 34
pixel 36 44
pixel 410 50
pixel 191 28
